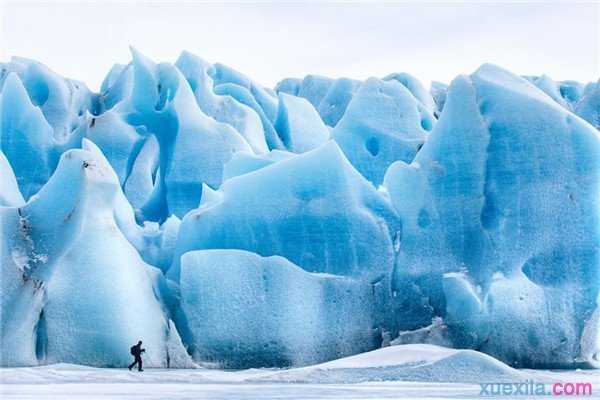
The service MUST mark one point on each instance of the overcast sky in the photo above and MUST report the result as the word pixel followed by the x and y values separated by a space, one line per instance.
pixel 270 41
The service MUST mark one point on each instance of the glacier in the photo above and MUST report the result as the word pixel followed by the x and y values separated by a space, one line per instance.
pixel 278 314
pixel 27 138
pixel 486 219
pixel 299 125
pixel 64 298
pixel 383 122
pixel 226 223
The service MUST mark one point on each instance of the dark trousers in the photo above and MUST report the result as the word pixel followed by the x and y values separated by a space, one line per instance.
pixel 138 361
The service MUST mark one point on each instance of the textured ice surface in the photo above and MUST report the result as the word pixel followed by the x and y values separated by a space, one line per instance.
pixel 478 231
pixel 588 106
pixel 266 99
pixel 276 313
pixel 222 108
pixel 63 102
pixel 383 123
pixel 437 334
pixel 314 88
pixel 289 86
pixel 333 106
pixel 193 146
pixel 244 96
pixel 415 88
pixel 299 125
pixel 9 190
pixel 76 301
pixel 314 209
pixel 565 93
pixel 242 163
pixel 330 97
pixel 119 142
pixel 582 99
pixel 490 192
pixel 157 242
pixel 26 138
pixel 439 91
pixel 142 172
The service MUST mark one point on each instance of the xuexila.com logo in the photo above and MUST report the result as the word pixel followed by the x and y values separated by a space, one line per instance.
pixel 531 388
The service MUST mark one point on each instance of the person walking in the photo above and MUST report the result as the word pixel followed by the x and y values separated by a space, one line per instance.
pixel 136 351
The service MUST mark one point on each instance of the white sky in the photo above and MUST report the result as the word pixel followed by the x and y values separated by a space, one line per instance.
pixel 269 41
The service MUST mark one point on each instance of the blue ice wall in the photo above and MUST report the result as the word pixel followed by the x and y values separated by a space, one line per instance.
pixel 276 313
pixel 505 191
pixel 65 298
pixel 383 123
pixel 314 209
pixel 323 218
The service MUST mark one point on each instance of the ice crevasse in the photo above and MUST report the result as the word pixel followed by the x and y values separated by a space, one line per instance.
pixel 251 227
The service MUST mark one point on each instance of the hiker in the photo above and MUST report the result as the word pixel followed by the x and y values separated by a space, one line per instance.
pixel 136 351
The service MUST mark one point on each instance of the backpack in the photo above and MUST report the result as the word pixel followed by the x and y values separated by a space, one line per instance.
pixel 132 351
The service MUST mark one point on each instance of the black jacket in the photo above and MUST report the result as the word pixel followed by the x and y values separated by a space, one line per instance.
pixel 137 350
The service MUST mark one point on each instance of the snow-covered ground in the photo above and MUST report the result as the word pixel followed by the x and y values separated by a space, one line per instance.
pixel 408 371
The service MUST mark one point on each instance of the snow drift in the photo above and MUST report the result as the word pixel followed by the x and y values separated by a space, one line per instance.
pixel 414 362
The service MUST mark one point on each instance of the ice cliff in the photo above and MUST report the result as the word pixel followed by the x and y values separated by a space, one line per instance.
pixel 221 221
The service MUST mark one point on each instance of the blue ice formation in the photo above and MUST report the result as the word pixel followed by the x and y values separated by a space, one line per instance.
pixel 193 147
pixel 299 125
pixel 277 314
pixel 582 99
pixel 330 97
pixel 9 190
pixel 566 93
pixel 313 209
pixel 333 105
pixel 415 87
pixel 244 96
pixel 218 220
pixel 242 163
pixel 439 91
pixel 27 140
pixel 588 106
pixel 222 108
pixel 63 102
pixel 484 223
pixel 313 88
pixel 65 298
pixel 384 122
